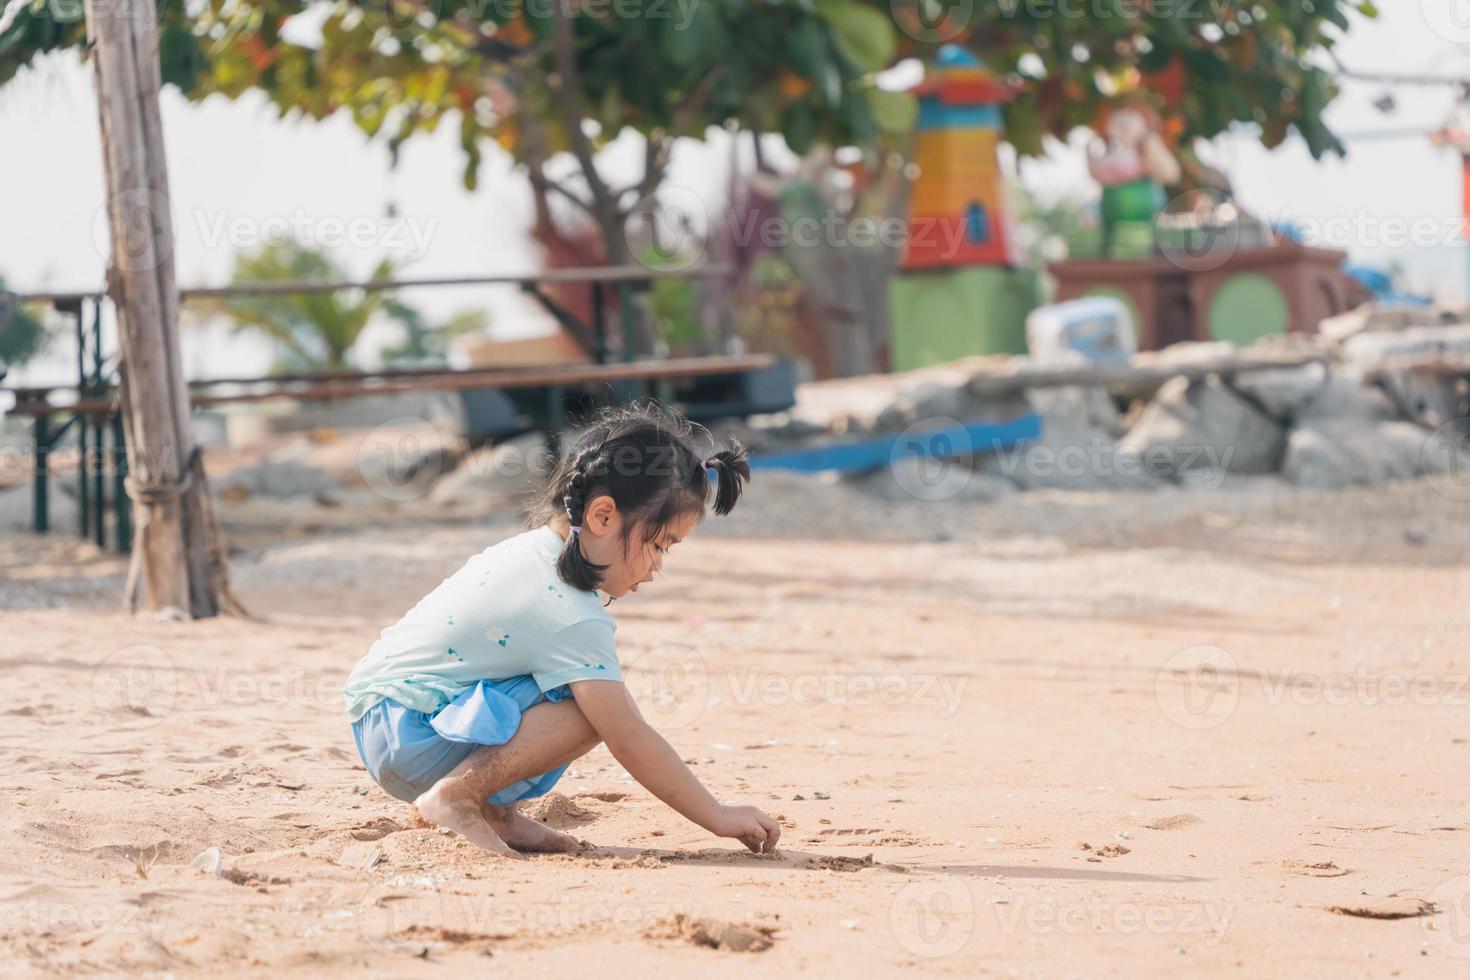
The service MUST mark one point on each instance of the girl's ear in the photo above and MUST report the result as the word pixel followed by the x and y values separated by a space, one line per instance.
pixel 601 516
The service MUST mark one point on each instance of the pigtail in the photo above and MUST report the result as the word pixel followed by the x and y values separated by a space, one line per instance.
pixel 732 469
pixel 572 565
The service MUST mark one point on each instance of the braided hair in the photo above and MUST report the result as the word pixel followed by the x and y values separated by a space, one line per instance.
pixel 644 458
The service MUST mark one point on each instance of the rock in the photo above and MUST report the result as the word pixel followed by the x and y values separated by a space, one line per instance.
pixel 923 400
pixel 786 427
pixel 1344 325
pixel 1283 392
pixel 1069 455
pixel 1192 352
pixel 1202 428
pixel 1371 349
pixel 928 399
pixel 280 480
pixel 1347 399
pixel 210 861
pixel 1332 454
pixel 511 468
pixel 1091 405
pixel 911 479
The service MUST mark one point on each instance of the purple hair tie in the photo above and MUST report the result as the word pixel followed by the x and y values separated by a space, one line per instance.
pixel 576 528
pixel 704 465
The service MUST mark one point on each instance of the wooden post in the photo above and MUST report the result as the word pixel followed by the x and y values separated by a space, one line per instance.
pixel 176 546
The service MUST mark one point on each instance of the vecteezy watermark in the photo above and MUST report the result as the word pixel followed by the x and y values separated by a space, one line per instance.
pixel 85 921
pixel 134 229
pixel 65 462
pixel 836 230
pixel 1203 229
pixel 1448 930
pixel 1200 466
pixel 139 227
pixel 935 458
pixel 1201 687
pixel 667 229
pixel 933 918
pixel 670 683
pixel 943 692
pixel 1450 19
pixel 674 684
pixel 139 682
pixel 1445 462
pixel 931 459
pixel 403 458
pixel 670 228
pixel 1196 687
pixel 933 21
pixel 1203 11
pixel 681 12
pixel 73 11
pixel 939 918
pixel 408 235
pixel 1198 231
pixel 144 685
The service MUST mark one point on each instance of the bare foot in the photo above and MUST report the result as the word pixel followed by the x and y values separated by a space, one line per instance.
pixel 440 808
pixel 525 834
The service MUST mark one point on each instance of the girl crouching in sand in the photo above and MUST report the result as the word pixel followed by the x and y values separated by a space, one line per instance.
pixel 480 696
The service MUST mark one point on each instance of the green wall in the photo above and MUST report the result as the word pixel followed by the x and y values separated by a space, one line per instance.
pixel 951 313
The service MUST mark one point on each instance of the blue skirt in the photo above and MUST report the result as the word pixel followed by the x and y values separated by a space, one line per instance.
pixel 408 751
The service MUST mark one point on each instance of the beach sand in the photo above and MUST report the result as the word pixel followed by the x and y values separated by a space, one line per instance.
pixel 1218 734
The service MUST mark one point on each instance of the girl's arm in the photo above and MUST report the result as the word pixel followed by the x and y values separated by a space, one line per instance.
pixel 651 760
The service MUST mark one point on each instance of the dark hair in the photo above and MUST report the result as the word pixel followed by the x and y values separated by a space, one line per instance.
pixel 644 458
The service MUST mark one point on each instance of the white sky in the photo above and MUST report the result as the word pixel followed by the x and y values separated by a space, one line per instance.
pixel 235 165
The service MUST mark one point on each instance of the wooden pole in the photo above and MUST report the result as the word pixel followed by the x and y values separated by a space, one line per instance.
pixel 176 546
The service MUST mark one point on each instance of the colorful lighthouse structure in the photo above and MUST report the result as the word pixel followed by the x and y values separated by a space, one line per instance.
pixel 960 289
pixel 958 214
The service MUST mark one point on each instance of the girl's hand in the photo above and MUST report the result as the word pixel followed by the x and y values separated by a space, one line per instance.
pixel 610 710
pixel 749 825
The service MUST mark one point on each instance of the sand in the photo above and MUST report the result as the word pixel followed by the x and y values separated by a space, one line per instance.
pixel 1208 733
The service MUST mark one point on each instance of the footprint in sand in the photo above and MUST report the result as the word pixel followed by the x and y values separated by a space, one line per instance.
pixel 1096 855
pixel 1319 869
pixel 714 933
pixel 833 863
pixel 1176 821
pixel 606 796
pixel 559 812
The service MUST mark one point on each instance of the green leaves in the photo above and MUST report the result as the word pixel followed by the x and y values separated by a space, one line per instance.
pixel 894 112
pixel 698 41
pixel 862 33
pixel 803 67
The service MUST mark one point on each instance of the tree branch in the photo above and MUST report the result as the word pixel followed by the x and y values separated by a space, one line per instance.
pixel 555 185
pixel 564 51
pixel 684 115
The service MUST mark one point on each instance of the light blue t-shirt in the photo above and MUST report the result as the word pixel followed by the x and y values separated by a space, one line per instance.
pixel 504 614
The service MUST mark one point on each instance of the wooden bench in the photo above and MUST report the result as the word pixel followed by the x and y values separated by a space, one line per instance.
pixel 551 386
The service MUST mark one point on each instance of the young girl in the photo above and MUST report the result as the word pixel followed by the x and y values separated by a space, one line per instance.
pixel 481 695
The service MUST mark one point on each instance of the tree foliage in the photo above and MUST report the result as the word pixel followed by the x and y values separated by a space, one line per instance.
pixel 320 331
pixel 541 78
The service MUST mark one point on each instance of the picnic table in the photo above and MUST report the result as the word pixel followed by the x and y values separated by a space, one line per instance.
pixel 743 383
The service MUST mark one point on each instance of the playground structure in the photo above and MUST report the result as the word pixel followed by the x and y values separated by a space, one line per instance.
pixel 499 400
pixel 1236 296
pixel 960 288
